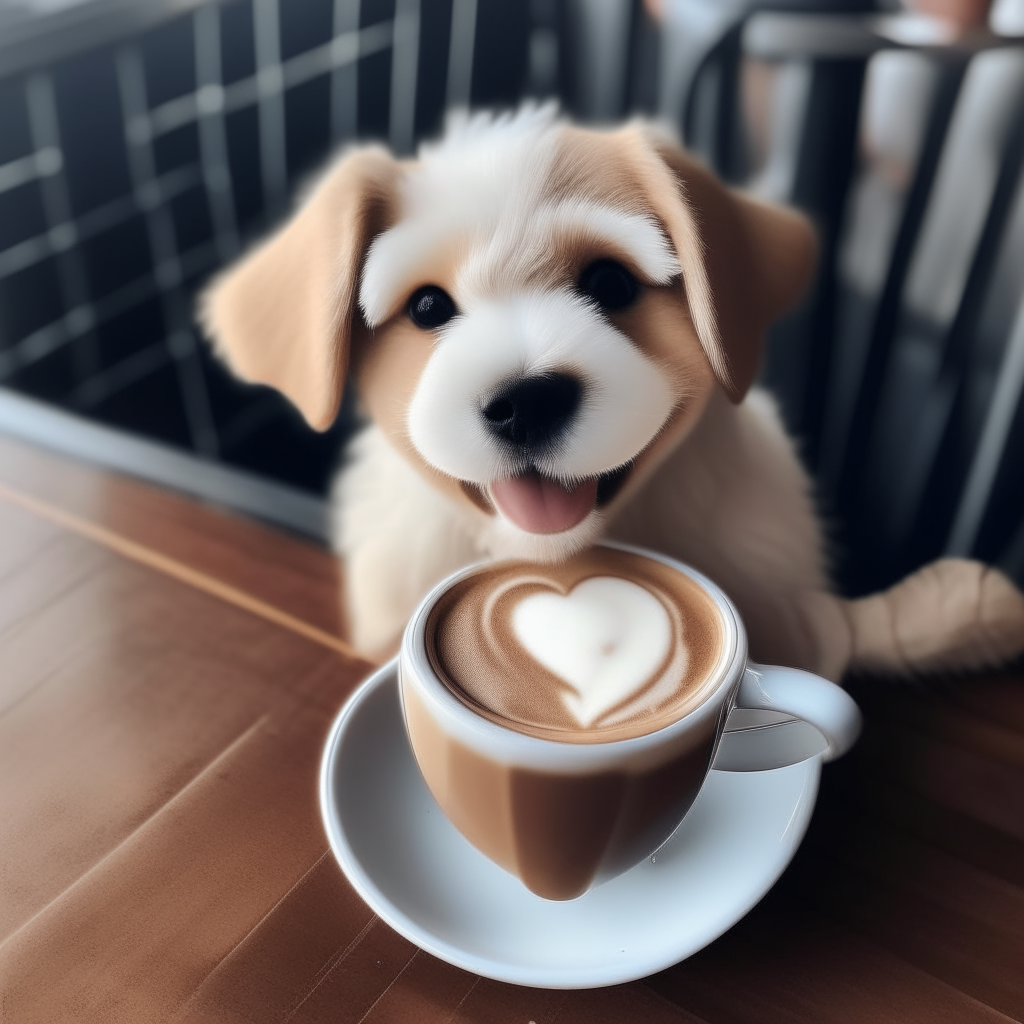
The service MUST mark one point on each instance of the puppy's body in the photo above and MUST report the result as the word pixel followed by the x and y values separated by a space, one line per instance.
pixel 554 331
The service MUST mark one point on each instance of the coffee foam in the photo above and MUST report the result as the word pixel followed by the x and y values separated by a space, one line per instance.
pixel 605 646
pixel 606 638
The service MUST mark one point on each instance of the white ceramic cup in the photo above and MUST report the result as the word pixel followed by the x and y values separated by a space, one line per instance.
pixel 563 817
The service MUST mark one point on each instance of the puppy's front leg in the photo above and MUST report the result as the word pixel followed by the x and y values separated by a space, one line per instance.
pixel 398 536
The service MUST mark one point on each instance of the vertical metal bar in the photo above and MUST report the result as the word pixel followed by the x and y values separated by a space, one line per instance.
pixel 544 58
pixel 181 342
pixel 855 444
pixel 603 31
pixel 821 186
pixel 988 455
pixel 405 52
pixel 791 92
pixel 270 88
pixel 859 296
pixel 1011 561
pixel 345 78
pixel 213 146
pixel 460 53
pixel 142 169
pixel 62 235
pixel 684 52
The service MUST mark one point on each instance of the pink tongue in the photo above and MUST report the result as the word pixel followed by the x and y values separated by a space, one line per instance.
pixel 539 505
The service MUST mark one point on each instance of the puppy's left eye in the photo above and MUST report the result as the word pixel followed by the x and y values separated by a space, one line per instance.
pixel 609 284
pixel 431 307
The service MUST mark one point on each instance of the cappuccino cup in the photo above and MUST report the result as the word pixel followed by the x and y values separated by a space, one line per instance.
pixel 565 717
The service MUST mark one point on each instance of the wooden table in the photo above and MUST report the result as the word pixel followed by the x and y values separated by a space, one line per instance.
pixel 168 673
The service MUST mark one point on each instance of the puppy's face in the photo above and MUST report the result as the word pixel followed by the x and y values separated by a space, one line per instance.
pixel 542 312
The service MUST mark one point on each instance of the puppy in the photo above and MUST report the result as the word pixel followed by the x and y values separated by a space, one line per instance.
pixel 554 332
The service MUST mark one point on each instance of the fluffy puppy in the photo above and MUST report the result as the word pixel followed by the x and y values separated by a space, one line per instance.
pixel 554 332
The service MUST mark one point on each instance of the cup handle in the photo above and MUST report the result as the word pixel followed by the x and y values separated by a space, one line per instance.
pixel 828 708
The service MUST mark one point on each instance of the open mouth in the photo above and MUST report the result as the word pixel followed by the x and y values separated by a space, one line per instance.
pixel 539 504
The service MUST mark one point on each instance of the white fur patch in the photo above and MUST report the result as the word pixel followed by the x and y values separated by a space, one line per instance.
pixel 477 196
pixel 401 258
pixel 625 401
pixel 636 235
pixel 482 171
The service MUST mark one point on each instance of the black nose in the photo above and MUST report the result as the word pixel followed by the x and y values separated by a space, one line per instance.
pixel 531 412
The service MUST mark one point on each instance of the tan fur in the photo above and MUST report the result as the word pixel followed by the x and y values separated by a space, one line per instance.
pixel 758 259
pixel 719 486
pixel 284 315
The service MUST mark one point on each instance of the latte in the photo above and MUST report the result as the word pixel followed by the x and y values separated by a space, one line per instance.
pixel 606 646
pixel 629 661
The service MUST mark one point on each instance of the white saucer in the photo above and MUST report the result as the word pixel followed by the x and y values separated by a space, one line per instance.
pixel 417 872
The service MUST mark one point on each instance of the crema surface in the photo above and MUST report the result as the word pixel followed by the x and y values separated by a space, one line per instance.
pixel 605 646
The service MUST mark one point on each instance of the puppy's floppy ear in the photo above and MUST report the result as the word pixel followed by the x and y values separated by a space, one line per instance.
pixel 744 262
pixel 283 315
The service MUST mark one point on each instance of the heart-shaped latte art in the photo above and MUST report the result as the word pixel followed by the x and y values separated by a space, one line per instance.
pixel 606 639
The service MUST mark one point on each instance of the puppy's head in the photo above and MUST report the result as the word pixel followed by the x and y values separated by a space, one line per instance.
pixel 534 313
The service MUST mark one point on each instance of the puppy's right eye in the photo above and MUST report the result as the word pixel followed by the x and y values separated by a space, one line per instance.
pixel 609 284
pixel 431 307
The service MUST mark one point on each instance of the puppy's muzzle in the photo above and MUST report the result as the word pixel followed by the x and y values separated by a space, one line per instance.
pixel 531 414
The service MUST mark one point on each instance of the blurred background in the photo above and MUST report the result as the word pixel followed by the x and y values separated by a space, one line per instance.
pixel 144 143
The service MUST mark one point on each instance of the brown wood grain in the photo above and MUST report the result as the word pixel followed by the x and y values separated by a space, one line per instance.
pixel 789 964
pixel 286 571
pixel 162 857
